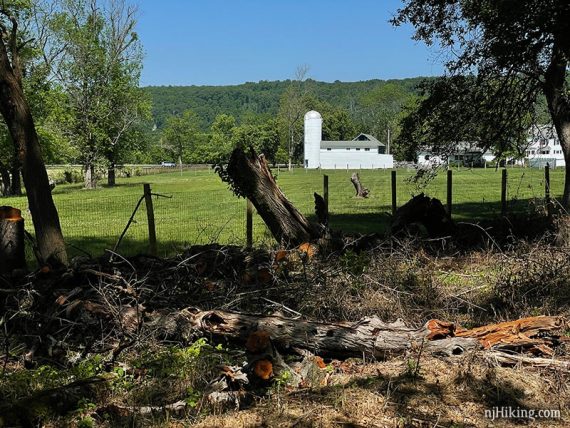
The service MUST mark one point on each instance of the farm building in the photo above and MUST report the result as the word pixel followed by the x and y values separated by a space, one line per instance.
pixel 464 153
pixel 363 152
pixel 544 147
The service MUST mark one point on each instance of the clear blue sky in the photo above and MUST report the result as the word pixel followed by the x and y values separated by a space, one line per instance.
pixel 221 42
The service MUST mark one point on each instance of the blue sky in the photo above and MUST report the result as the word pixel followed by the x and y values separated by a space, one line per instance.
pixel 221 42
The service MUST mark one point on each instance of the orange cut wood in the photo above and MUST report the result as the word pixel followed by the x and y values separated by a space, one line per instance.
pixel 307 249
pixel 10 213
pixel 263 369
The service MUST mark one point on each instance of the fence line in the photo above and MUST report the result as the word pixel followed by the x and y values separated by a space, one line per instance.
pixel 94 221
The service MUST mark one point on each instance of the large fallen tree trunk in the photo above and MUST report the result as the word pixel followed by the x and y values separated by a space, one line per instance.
pixel 249 176
pixel 373 337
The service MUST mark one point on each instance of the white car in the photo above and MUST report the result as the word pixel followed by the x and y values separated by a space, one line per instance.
pixel 168 164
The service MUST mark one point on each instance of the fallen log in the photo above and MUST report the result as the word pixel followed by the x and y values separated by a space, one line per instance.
pixel 361 191
pixel 249 176
pixel 371 336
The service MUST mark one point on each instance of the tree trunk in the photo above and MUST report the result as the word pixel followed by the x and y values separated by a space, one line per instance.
pixel 18 117
pixel 554 88
pixel 361 191
pixel 90 179
pixel 5 181
pixel 12 245
pixel 251 178
pixel 16 183
pixel 111 175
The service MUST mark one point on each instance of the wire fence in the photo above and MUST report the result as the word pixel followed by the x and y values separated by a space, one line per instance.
pixel 93 221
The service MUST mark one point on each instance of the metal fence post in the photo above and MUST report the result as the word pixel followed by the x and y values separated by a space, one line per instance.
pixel 249 225
pixel 449 191
pixel 150 217
pixel 504 192
pixel 393 192
pixel 326 193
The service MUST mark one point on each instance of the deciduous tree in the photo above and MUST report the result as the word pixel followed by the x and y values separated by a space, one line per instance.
pixel 523 45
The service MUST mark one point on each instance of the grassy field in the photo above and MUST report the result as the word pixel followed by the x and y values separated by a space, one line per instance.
pixel 201 209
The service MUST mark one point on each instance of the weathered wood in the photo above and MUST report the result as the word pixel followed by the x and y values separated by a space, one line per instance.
pixel 250 177
pixel 369 336
pixel 150 218
pixel 12 244
pixel 361 191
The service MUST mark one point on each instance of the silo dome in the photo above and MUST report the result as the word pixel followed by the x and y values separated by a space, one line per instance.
pixel 312 115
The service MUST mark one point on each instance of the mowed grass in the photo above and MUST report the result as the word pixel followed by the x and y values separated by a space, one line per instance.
pixel 200 208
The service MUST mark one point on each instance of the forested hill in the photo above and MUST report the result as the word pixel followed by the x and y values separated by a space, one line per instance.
pixel 256 98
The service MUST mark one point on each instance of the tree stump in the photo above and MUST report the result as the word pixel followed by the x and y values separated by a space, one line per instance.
pixel 249 176
pixel 361 191
pixel 12 248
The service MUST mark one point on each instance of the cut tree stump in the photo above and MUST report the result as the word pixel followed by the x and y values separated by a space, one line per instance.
pixel 249 177
pixel 361 191
pixel 371 336
pixel 12 244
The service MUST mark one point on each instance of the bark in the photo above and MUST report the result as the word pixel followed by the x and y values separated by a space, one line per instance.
pixel 371 336
pixel 18 117
pixel 111 181
pixel 361 191
pixel 5 181
pixel 90 181
pixel 559 108
pixel 16 183
pixel 250 177
pixel 12 245
pixel 321 210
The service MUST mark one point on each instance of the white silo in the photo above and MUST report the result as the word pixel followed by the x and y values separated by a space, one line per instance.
pixel 313 136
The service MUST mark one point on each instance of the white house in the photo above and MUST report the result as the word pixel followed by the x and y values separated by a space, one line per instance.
pixel 465 153
pixel 544 147
pixel 363 152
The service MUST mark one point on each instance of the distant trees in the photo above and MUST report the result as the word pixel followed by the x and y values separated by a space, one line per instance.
pixel 181 136
pixel 99 71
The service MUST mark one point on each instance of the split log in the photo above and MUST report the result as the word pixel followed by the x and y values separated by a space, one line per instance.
pixel 12 245
pixel 249 176
pixel 361 191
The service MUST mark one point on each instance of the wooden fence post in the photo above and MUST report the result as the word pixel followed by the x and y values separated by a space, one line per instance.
pixel 504 192
pixel 150 217
pixel 249 225
pixel 547 189
pixel 393 192
pixel 326 193
pixel 449 191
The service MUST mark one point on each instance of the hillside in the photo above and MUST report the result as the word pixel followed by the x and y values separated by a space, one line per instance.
pixel 258 98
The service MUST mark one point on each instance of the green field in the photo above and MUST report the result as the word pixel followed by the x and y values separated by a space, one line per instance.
pixel 202 210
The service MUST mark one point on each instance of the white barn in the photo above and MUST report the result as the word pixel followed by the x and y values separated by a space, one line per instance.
pixel 363 152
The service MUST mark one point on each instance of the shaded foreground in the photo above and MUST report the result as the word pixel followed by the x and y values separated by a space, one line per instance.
pixel 100 327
